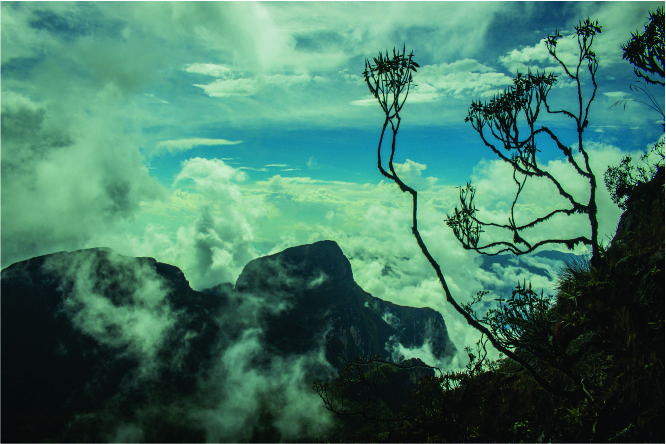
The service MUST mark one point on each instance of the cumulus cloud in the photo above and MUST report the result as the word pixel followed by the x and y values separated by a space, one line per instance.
pixel 536 57
pixel 76 109
pixel 66 178
pixel 412 173
pixel 462 78
pixel 372 224
pixel 494 179
pixel 219 241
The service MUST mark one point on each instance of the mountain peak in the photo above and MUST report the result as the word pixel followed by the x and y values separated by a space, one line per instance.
pixel 323 258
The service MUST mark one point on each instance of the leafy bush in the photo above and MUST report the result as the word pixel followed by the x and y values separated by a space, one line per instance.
pixel 623 179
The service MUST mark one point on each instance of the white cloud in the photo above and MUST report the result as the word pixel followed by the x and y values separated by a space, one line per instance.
pixel 137 326
pixel 230 87
pixel 460 79
pixel 209 69
pixel 496 189
pixel 207 228
pixel 279 387
pixel 72 122
pixel 536 57
pixel 66 177
pixel 178 145
pixel 412 173
pixel 463 78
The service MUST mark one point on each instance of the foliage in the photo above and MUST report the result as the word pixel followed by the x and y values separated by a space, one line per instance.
pixel 646 51
pixel 508 124
pixel 522 321
pixel 621 180
pixel 603 336
pixel 607 324
pixel 389 78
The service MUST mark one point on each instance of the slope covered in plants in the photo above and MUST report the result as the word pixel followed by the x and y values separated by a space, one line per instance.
pixel 607 338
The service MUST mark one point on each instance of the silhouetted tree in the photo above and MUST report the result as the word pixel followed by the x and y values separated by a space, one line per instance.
pixel 646 51
pixel 509 125
pixel 389 78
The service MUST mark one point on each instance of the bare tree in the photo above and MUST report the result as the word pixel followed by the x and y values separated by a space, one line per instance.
pixel 509 125
pixel 389 78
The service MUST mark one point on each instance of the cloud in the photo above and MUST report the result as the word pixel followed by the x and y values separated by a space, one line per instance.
pixel 412 173
pixel 462 78
pixel 312 163
pixel 80 82
pixel 496 189
pixel 131 314
pixel 537 57
pixel 209 69
pixel 249 391
pixel 372 224
pixel 231 87
pixel 207 228
pixel 249 86
pixel 66 177
pixel 178 145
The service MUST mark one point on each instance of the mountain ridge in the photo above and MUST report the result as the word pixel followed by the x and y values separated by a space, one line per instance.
pixel 93 339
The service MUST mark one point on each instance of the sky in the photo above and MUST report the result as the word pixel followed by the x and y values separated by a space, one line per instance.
pixel 206 134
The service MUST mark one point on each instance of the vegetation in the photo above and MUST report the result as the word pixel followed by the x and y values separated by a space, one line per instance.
pixel 389 78
pixel 586 364
pixel 646 52
pixel 622 179
pixel 606 328
pixel 509 125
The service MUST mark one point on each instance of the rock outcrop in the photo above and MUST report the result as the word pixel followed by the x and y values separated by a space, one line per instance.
pixel 95 344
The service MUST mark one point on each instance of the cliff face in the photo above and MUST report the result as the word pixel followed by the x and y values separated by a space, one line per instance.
pixel 92 331
pixel 322 300
pixel 93 341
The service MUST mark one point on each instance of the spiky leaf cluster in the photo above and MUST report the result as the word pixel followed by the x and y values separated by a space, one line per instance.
pixel 646 51
pixel 389 78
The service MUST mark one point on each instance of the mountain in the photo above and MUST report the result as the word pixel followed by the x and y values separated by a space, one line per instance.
pixel 102 347
pixel 602 356
pixel 92 331
pixel 316 283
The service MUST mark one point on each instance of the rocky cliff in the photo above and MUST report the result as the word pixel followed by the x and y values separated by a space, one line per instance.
pixel 102 347
pixel 321 300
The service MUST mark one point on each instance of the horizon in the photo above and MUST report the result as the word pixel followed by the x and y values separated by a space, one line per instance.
pixel 208 134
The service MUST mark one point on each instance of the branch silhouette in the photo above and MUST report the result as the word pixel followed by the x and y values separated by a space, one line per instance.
pixel 389 78
pixel 508 124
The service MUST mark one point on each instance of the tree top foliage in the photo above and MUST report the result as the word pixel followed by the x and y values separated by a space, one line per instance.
pixel 646 51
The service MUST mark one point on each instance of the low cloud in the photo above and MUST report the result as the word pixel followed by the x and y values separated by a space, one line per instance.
pixel 66 178
pixel 246 392
pixel 462 79
pixel 279 387
pixel 121 305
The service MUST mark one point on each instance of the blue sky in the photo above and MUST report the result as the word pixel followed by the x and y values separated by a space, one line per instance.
pixel 206 134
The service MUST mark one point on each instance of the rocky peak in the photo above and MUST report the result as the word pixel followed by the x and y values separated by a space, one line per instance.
pixel 323 260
